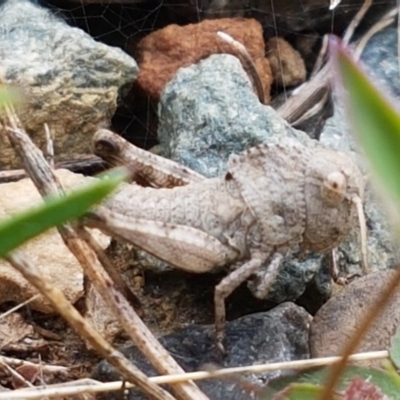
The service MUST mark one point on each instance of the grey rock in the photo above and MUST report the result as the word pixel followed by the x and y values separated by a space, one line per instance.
pixel 209 111
pixel 381 63
pixel 340 318
pixel 278 335
pixel 70 81
pixel 293 278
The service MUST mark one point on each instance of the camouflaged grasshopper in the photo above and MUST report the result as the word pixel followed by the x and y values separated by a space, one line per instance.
pixel 273 198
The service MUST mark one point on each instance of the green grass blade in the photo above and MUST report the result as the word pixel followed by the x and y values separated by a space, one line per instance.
pixel 394 350
pixel 54 212
pixel 375 121
pixel 7 96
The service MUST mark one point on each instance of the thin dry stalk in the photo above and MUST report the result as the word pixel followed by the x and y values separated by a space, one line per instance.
pixel 89 162
pixel 16 362
pixel 110 269
pixel 385 21
pixel 80 387
pixel 62 305
pixel 46 182
pixel 368 320
pixel 247 61
pixel 18 306
pixel 49 150
pixel 311 97
pixel 356 21
pixel 17 376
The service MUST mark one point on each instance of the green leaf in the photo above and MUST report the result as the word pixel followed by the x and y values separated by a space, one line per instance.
pixel 303 391
pixel 394 350
pixel 7 96
pixel 375 121
pixel 381 378
pixel 296 391
pixel 392 373
pixel 55 211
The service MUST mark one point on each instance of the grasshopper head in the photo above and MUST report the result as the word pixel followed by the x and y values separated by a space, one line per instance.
pixel 332 183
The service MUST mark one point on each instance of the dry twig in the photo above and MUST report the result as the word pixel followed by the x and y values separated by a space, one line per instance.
pixel 311 97
pixel 80 387
pixel 46 183
pixel 15 363
pixel 62 305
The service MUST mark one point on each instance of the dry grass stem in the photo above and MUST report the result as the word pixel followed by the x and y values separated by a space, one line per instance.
pixel 18 306
pixel 248 62
pixel 366 323
pixel 17 376
pixel 49 150
pixel 312 94
pixel 15 362
pixel 356 21
pixel 97 387
pixel 385 21
pixel 62 305
pixel 112 272
pixel 363 234
pixel 311 97
pixel 88 162
pixel 46 182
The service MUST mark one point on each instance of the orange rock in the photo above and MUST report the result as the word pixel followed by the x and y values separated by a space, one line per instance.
pixel 287 65
pixel 164 51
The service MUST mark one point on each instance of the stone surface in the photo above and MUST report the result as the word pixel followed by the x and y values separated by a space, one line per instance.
pixel 278 335
pixel 47 251
pixel 339 318
pixel 381 63
pixel 164 51
pixel 209 111
pixel 17 335
pixel 70 81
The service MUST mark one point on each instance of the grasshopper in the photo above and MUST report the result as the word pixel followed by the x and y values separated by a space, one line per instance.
pixel 273 199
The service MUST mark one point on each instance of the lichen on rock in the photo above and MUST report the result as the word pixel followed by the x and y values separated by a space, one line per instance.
pixel 70 81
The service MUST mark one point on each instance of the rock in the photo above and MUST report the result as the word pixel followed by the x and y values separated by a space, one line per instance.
pixel 339 318
pixel 47 251
pixel 287 65
pixel 164 51
pixel 278 335
pixel 382 65
pixel 381 61
pixel 70 81
pixel 18 336
pixel 209 111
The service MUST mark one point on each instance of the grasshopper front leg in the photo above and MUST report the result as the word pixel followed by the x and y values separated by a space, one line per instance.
pixel 228 285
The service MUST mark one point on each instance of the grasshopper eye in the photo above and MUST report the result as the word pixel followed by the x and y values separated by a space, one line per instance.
pixel 334 188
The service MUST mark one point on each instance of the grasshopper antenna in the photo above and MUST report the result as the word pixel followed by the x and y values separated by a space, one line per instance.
pixel 363 233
